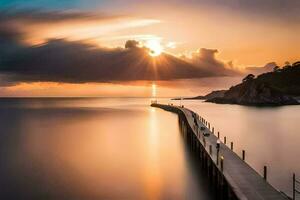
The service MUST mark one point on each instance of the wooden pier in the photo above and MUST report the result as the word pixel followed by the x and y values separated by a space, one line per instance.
pixel 232 177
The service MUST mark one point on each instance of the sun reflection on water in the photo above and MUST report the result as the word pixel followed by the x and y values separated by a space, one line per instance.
pixel 152 173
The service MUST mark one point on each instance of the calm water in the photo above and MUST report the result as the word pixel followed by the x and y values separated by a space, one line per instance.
pixel 270 136
pixel 120 148
pixel 105 148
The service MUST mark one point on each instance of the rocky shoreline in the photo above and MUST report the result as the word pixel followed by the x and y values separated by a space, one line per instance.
pixel 256 94
pixel 277 88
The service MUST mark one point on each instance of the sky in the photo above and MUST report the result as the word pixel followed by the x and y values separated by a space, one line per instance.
pixel 123 47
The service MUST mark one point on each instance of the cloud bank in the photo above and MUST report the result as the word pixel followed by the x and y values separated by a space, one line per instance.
pixel 66 61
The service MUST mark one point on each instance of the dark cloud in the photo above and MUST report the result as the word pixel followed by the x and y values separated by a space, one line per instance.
pixel 60 60
pixel 131 44
pixel 76 62
pixel 36 16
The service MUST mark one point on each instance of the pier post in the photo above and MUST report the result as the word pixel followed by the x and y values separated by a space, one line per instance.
pixel 225 140
pixel 294 186
pixel 213 130
pixel 218 134
pixel 222 164
pixel 243 155
pixel 265 173
pixel 231 146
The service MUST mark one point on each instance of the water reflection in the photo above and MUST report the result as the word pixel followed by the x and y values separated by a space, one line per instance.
pixel 152 173
pixel 94 149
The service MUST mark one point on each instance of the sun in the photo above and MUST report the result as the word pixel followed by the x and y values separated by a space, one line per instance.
pixel 155 47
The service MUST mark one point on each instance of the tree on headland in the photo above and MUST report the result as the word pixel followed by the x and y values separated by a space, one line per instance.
pixel 296 64
pixel 287 65
pixel 276 69
pixel 248 77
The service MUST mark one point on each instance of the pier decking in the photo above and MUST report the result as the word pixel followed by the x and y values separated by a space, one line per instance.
pixel 234 177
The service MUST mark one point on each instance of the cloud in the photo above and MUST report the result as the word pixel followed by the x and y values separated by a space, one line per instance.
pixel 75 62
pixel 68 61
pixel 33 16
pixel 38 26
pixel 259 70
pixel 131 44
pixel 206 59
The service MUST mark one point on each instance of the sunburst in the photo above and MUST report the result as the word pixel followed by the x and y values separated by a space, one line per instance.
pixel 155 47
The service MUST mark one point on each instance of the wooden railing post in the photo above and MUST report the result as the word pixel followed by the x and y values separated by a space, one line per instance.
pixel 243 155
pixel 294 186
pixel 265 172
pixel 231 146
pixel 225 140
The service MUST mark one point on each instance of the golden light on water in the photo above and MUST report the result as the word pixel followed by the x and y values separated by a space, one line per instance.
pixel 154 90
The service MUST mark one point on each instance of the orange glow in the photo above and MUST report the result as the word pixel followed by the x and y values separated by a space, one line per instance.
pixel 152 174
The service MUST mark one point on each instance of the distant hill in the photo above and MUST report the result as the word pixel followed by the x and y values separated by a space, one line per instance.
pixel 213 94
pixel 280 87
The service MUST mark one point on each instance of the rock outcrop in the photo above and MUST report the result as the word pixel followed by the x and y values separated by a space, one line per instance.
pixel 254 93
pixel 281 87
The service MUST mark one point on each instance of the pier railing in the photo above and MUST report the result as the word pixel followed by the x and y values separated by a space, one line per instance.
pixel 233 177
pixel 296 186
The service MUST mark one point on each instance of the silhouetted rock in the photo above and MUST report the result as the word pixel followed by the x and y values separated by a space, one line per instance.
pixel 281 87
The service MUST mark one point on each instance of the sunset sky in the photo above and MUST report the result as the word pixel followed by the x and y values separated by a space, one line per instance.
pixel 123 47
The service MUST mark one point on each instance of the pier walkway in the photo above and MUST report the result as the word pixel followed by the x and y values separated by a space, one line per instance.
pixel 242 180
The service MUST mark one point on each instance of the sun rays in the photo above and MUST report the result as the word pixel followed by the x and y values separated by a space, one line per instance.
pixel 155 47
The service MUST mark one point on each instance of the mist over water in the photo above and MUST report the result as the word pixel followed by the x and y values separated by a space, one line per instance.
pixel 94 148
